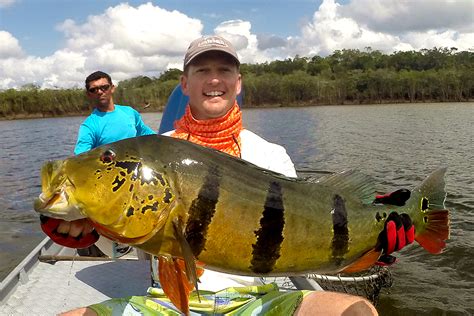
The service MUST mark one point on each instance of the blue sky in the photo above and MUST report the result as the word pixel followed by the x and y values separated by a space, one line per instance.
pixel 39 37
pixel 55 43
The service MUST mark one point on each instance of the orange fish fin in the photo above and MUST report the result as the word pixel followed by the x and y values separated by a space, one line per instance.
pixel 363 263
pixel 188 256
pixel 174 282
pixel 436 232
pixel 199 271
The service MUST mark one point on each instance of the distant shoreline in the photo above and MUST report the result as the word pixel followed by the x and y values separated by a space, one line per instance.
pixel 23 116
pixel 26 116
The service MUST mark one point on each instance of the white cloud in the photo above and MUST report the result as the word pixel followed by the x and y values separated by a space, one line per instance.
pixel 10 46
pixel 266 41
pixel 62 69
pixel 125 41
pixel 129 41
pixel 6 3
pixel 387 25
pixel 430 39
pixel 395 16
pixel 245 42
pixel 330 31
pixel 135 41
pixel 145 30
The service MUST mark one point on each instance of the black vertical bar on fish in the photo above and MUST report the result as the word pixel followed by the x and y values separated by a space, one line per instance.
pixel 340 239
pixel 202 209
pixel 266 250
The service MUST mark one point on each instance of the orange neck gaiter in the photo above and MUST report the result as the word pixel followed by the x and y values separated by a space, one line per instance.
pixel 221 133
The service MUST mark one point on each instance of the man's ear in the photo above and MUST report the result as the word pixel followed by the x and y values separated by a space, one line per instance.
pixel 184 84
pixel 238 88
pixel 112 89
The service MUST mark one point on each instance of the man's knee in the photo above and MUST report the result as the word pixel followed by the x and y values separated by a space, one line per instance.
pixel 332 303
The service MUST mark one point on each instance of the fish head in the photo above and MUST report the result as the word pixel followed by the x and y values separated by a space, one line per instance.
pixel 120 187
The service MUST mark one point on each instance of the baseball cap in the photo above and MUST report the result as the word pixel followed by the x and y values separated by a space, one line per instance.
pixel 209 43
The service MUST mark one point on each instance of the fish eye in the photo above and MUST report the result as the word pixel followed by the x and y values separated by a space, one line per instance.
pixel 107 156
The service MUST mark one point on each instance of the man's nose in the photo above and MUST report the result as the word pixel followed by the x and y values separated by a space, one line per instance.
pixel 214 79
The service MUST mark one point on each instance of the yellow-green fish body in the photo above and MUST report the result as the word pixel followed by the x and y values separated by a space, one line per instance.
pixel 162 195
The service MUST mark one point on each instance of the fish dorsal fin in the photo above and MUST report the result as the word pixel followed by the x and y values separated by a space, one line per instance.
pixel 433 188
pixel 352 182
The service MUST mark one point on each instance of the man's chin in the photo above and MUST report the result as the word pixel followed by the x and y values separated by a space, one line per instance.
pixel 215 108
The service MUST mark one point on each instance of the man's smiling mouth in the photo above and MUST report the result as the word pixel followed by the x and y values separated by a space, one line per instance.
pixel 214 93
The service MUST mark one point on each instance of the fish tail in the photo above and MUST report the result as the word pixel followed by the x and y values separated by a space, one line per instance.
pixel 431 219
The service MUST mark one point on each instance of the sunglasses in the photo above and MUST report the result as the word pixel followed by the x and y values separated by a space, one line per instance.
pixel 103 88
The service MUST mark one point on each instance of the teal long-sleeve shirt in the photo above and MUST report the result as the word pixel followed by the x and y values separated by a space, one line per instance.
pixel 101 128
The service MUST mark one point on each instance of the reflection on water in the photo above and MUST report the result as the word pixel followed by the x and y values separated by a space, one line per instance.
pixel 398 145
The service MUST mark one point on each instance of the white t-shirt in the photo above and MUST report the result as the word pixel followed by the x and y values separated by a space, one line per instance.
pixel 262 153
pixel 266 155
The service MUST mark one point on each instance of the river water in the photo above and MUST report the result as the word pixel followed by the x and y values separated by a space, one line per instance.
pixel 398 145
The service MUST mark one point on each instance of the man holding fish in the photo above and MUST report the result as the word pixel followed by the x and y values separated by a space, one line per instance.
pixel 212 81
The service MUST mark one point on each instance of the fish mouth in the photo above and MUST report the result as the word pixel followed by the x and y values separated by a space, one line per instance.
pixel 57 204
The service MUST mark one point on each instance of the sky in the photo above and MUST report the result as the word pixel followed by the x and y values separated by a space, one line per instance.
pixel 57 43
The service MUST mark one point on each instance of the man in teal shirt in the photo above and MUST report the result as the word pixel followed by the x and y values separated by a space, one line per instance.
pixel 108 122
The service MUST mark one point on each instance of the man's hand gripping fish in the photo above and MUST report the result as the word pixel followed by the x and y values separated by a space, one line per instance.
pixel 183 202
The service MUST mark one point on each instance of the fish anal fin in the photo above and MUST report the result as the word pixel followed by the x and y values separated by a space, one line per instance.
pixel 436 232
pixel 363 263
pixel 174 282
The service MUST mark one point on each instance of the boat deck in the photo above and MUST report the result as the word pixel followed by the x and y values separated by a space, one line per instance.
pixel 36 287
pixel 42 289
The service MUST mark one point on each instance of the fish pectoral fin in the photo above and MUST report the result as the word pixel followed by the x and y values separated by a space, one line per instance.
pixel 363 263
pixel 199 269
pixel 174 282
pixel 188 256
pixel 178 277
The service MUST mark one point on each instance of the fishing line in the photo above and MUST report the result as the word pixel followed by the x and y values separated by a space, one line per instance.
pixel 72 265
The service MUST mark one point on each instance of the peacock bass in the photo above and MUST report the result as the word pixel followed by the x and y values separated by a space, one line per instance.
pixel 185 203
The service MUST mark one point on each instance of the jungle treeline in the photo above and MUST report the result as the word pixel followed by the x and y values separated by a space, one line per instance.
pixel 347 76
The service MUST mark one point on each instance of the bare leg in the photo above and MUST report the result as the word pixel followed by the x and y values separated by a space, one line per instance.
pixel 83 311
pixel 332 304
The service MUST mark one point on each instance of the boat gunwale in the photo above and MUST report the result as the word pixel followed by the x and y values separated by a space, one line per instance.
pixel 19 275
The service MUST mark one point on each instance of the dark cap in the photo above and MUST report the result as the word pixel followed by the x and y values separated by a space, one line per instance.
pixel 207 44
